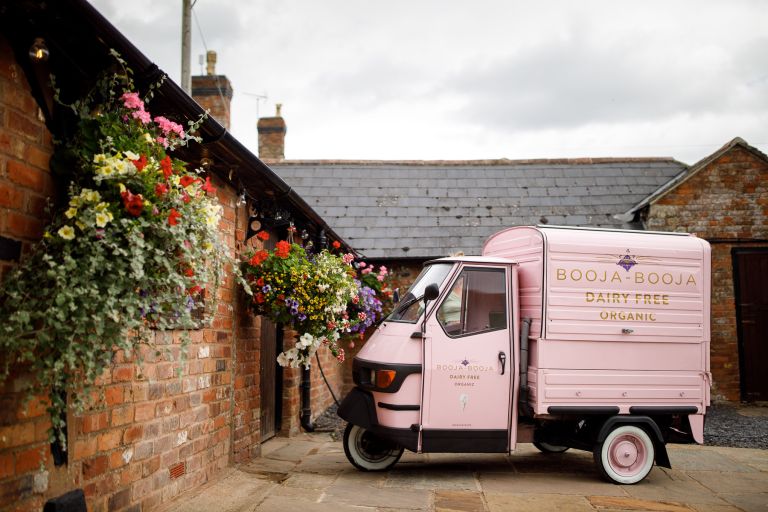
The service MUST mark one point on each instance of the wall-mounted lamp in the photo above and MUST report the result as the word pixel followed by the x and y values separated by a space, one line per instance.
pixel 206 161
pixel 38 52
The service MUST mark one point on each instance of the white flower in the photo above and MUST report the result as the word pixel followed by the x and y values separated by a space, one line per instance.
pixel 130 155
pixel 306 340
pixel 67 233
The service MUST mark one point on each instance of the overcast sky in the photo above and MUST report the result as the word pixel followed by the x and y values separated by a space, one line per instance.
pixel 460 79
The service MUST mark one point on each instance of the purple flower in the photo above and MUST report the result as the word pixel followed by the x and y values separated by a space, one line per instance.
pixel 266 289
pixel 294 311
pixel 302 317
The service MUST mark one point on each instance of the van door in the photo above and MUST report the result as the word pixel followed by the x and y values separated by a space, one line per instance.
pixel 468 365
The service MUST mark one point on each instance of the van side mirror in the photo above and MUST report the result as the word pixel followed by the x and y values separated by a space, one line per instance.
pixel 431 292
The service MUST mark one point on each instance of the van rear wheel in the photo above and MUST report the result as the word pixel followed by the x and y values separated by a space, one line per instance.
pixel 626 456
pixel 367 451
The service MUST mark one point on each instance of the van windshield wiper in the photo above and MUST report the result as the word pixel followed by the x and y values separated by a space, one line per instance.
pixel 406 304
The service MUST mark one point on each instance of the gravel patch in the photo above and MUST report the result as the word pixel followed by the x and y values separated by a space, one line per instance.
pixel 726 424
pixel 738 426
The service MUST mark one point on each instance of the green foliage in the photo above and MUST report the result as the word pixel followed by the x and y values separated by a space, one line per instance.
pixel 135 250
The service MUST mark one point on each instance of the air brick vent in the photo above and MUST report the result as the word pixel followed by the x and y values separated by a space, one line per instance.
pixel 178 470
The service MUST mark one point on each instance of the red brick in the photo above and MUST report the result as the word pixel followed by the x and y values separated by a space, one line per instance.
pixel 95 467
pixel 6 465
pixel 10 196
pixel 122 415
pixel 109 440
pixel 31 459
pixel 95 422
pixel 114 395
pixel 25 126
pixel 132 434
pixel 38 156
pixel 144 411
pixel 27 176
pixel 17 435
pixel 122 373
pixel 24 226
pixel 84 448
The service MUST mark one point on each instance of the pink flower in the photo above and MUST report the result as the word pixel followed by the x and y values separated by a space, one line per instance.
pixel 362 264
pixel 380 278
pixel 142 115
pixel 348 258
pixel 131 100
pixel 362 316
pixel 169 126
pixel 367 270
pixel 163 141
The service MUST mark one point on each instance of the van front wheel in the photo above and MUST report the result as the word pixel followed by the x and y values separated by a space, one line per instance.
pixel 368 452
pixel 626 456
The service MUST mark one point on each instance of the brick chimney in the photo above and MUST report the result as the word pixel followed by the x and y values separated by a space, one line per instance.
pixel 213 92
pixel 272 136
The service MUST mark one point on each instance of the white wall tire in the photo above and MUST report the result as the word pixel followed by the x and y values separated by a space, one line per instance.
pixel 549 448
pixel 368 452
pixel 626 456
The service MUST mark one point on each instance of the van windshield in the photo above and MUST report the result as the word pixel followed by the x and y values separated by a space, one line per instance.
pixel 410 307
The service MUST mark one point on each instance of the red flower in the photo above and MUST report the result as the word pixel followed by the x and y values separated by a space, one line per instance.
pixel 260 281
pixel 336 244
pixel 194 290
pixel 258 258
pixel 134 204
pixel 281 297
pixel 186 198
pixel 141 163
pixel 283 249
pixel 161 189
pixel 259 298
pixel 262 235
pixel 208 187
pixel 173 217
pixel 187 180
pixel 167 166
pixel 189 272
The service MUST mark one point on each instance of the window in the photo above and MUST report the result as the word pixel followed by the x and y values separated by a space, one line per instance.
pixel 411 306
pixel 475 303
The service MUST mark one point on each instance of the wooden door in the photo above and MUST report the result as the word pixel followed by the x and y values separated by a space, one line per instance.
pixel 751 287
pixel 271 389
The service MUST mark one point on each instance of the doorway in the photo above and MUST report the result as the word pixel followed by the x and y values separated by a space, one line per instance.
pixel 750 275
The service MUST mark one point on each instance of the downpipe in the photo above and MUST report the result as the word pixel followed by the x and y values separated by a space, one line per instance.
pixel 306 409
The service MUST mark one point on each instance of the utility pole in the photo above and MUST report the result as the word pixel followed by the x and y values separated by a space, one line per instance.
pixel 186 45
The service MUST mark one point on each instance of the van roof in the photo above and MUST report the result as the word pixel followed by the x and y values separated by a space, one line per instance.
pixel 473 259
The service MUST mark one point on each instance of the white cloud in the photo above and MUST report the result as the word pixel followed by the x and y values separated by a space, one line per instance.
pixel 484 79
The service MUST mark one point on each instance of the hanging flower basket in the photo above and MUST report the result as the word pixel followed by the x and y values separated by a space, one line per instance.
pixel 309 292
pixel 134 248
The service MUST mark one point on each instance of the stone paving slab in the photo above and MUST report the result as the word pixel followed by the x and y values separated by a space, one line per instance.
pixel 310 473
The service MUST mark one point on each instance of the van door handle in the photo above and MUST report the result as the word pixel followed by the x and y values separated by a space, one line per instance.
pixel 503 360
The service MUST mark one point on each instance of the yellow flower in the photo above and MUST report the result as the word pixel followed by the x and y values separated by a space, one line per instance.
pixel 148 137
pixel 103 218
pixel 67 233
pixel 71 213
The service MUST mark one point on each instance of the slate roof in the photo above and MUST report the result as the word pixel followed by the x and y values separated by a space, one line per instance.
pixel 427 209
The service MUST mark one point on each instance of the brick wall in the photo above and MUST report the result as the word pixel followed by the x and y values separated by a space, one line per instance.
pixel 726 202
pixel 155 430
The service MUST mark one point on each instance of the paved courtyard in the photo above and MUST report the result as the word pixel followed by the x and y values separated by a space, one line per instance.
pixel 310 473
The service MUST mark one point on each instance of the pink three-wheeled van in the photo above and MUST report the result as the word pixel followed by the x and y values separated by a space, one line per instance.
pixel 589 339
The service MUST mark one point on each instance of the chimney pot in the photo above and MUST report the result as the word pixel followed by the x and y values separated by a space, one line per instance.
pixel 210 58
